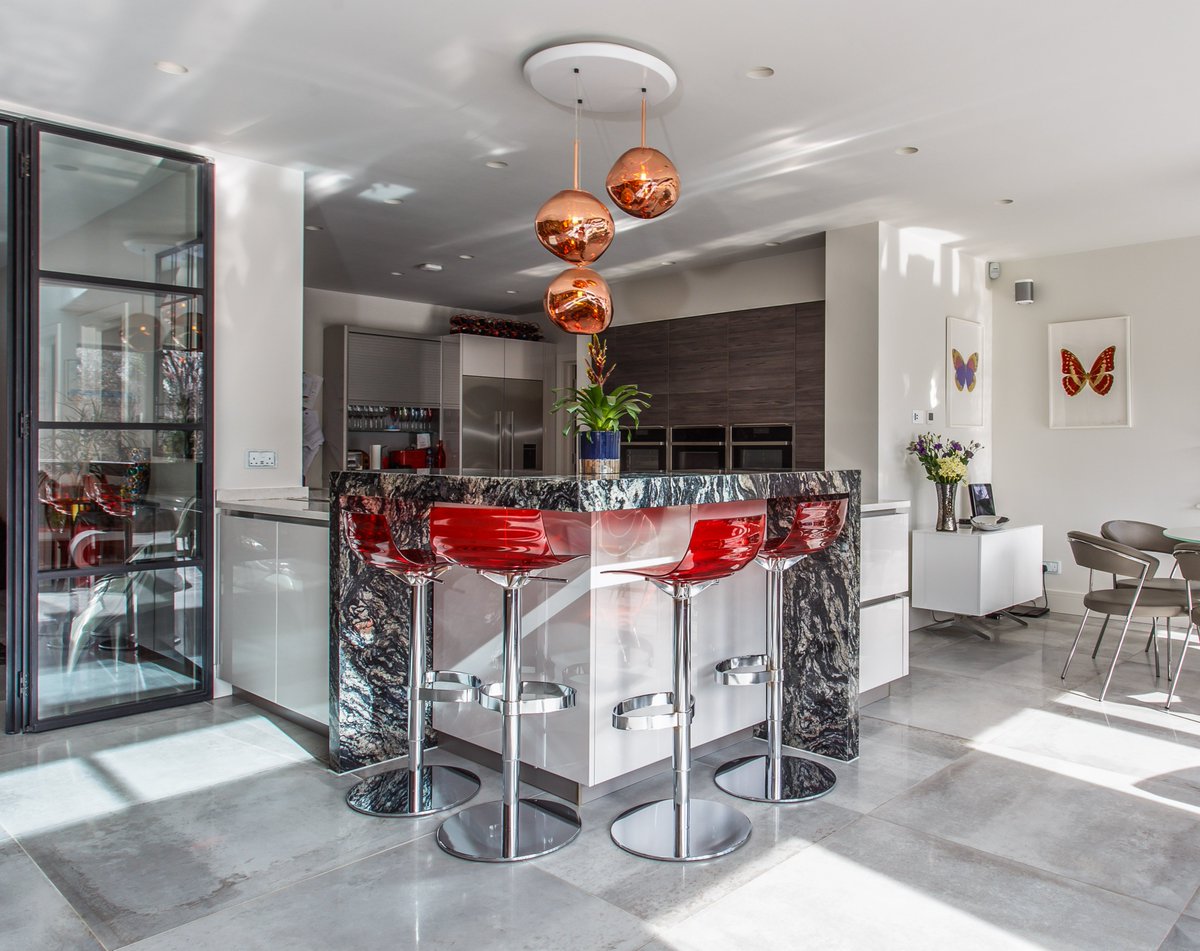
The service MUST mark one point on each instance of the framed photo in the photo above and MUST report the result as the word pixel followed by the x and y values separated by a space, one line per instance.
pixel 964 372
pixel 1090 386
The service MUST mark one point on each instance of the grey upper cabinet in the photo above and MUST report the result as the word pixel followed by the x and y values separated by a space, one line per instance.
pixel 762 366
pixel 397 371
pixel 640 354
pixel 698 355
pixel 507 359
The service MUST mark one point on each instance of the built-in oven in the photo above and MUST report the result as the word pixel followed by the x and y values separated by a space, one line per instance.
pixel 766 448
pixel 698 449
pixel 644 449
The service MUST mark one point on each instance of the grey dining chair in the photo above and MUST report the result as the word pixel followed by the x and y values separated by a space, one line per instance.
pixel 1187 558
pixel 1120 561
pixel 1147 537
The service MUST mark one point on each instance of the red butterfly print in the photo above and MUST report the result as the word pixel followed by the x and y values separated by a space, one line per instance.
pixel 1100 378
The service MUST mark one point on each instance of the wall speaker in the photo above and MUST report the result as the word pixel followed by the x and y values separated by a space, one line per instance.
pixel 1023 291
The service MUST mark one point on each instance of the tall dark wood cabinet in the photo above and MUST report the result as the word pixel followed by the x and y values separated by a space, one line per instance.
pixel 760 366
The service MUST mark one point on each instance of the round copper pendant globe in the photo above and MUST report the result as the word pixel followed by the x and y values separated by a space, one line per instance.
pixel 574 225
pixel 579 301
pixel 643 183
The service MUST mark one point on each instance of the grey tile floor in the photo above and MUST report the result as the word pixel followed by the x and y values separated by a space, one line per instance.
pixel 992 807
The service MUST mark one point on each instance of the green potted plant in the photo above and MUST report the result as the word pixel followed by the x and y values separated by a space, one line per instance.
pixel 595 416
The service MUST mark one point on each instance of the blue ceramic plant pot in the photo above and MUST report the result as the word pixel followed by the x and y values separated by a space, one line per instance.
pixel 599 453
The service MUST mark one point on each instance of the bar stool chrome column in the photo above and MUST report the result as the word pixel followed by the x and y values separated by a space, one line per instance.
pixel 683 829
pixel 417 789
pixel 774 777
pixel 506 546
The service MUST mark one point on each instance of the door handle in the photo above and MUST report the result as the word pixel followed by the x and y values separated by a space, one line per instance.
pixel 499 445
pixel 512 438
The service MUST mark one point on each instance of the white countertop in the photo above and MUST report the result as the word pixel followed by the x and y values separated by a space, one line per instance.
pixel 310 510
pixel 901 505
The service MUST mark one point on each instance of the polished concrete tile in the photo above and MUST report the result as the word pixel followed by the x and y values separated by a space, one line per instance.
pixel 155 865
pixel 1082 823
pixel 415 897
pixel 878 885
pixel 1185 936
pixel 667 891
pixel 33 915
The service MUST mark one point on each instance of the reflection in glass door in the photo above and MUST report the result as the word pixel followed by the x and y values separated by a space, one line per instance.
pixel 120 521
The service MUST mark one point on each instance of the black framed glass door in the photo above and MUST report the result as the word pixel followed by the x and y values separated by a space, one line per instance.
pixel 117 520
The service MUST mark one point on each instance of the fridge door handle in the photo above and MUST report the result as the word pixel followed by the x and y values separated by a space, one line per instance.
pixel 512 439
pixel 499 445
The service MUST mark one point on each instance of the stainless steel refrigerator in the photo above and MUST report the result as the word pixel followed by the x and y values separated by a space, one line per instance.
pixel 502 426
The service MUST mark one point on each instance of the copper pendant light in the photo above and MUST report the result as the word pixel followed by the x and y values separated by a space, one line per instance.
pixel 574 224
pixel 643 182
pixel 579 301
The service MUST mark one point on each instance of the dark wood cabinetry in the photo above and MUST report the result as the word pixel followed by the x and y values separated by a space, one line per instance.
pixel 760 366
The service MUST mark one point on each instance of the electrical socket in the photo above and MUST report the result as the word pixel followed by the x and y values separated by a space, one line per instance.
pixel 931 416
pixel 260 458
pixel 917 419
pixel 1052 567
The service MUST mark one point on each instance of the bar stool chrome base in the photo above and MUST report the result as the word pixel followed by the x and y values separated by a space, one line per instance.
pixel 800 779
pixel 477 834
pixel 390 794
pixel 713 829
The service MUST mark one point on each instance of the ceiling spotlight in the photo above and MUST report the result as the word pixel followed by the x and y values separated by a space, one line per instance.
pixel 666 263
pixel 425 266
pixel 397 274
pixel 760 72
pixel 496 163
pixel 467 257
pixel 510 292
pixel 393 201
pixel 907 150
pixel 772 244
pixel 166 66
pixel 1004 201
pixel 313 228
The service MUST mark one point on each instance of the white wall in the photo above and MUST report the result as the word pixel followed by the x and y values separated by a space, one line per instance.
pixel 1077 479
pixel 761 282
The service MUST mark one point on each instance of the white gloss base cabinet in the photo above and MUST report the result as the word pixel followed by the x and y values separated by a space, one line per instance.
pixel 273 611
pixel 883 615
pixel 976 573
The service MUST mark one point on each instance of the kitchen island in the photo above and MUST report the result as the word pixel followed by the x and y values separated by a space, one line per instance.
pixel 608 635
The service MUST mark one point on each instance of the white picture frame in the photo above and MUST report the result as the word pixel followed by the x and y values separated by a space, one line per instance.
pixel 964 373
pixel 1090 388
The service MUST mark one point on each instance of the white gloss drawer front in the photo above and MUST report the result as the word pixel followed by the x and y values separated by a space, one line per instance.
pixel 884 556
pixel 883 650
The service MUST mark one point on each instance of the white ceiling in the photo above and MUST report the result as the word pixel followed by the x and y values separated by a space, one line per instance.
pixel 1082 111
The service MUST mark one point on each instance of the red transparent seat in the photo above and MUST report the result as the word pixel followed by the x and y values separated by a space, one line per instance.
pixel 815 526
pixel 718 547
pixel 370 537
pixel 106 497
pixel 496 540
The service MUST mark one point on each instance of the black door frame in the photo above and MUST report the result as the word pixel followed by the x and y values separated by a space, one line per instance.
pixel 22 358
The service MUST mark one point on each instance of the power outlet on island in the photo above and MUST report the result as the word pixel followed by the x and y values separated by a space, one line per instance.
pixel 260 458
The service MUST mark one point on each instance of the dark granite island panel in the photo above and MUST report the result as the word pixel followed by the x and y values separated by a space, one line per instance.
pixel 370 623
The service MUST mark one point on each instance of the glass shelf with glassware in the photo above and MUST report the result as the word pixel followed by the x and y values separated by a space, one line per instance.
pixel 377 417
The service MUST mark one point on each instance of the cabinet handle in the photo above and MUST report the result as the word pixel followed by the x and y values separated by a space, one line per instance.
pixel 499 445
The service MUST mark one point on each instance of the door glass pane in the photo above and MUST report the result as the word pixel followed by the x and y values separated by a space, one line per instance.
pixel 115 356
pixel 117 496
pixel 111 212
pixel 104 640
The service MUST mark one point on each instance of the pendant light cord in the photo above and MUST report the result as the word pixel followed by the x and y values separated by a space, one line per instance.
pixel 643 117
pixel 578 103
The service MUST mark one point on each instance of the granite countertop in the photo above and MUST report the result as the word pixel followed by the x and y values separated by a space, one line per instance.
pixel 576 494
pixel 291 509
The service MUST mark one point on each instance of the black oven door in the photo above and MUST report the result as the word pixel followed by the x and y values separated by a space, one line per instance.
pixel 762 458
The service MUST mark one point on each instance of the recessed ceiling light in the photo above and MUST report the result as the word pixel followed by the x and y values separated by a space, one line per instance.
pixel 496 163
pixel 397 274
pixel 1004 201
pixel 67 168
pixel 426 266
pixel 313 228
pixel 166 66
pixel 773 244
pixel 667 263
pixel 467 257
pixel 760 72
pixel 393 201
pixel 907 150
pixel 510 292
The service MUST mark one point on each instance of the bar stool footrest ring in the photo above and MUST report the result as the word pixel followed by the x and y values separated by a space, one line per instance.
pixel 450 686
pixel 631 714
pixel 537 696
pixel 749 670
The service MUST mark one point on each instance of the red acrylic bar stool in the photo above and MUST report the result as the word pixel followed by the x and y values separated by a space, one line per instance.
pixel 773 777
pixel 415 790
pixel 683 829
pixel 506 546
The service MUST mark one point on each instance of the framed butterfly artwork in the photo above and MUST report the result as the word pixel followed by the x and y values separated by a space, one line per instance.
pixel 964 372
pixel 1090 386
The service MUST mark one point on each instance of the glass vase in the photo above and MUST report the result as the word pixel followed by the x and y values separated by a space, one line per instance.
pixel 947 497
